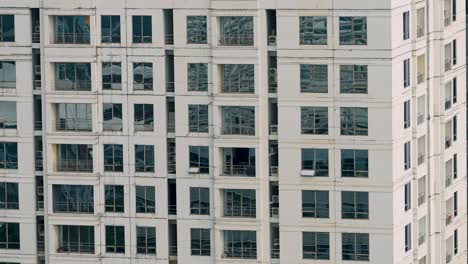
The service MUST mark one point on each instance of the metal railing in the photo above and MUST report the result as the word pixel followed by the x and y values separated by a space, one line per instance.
pixel 170 87
pixel 239 170
pixel 273 170
pixel 273 129
pixel 275 252
pixel 274 211
pixel 169 39
pixel 36 37
pixel 172 250
pixel 272 40
pixel 238 130
pixel 73 124
pixel 420 158
pixel 236 40
pixel 420 118
pixel 272 87
pixel 8 124
pixel 420 31
pixel 448 104
pixel 172 209
pixel 37 84
pixel 72 85
pixel 239 211
pixel 71 207
pixel 243 253
pixel 238 86
pixel 75 247
pixel 7 84
pixel 421 239
pixel 143 127
pixel 449 218
pixel 75 165
pixel 421 198
pixel 38 160
pixel 72 38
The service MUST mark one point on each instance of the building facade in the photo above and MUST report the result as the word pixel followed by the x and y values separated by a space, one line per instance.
pixel 233 131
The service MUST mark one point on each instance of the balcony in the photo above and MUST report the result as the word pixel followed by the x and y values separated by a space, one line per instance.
pixel 75 165
pixel 236 40
pixel 72 38
pixel 172 209
pixel 72 85
pixel 73 124
pixel 239 170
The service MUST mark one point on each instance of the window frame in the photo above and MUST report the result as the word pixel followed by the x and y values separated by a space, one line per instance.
pixel 114 191
pixel 313 78
pixel 202 240
pixel 317 114
pixel 198 205
pixel 112 36
pixel 115 162
pixel 115 239
pixel 138 33
pixel 316 38
pixel 200 30
pixel 318 207
pixel 356 210
pixel 196 118
pixel 144 164
pixel 144 203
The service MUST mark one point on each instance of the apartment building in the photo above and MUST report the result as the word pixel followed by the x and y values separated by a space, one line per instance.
pixel 233 131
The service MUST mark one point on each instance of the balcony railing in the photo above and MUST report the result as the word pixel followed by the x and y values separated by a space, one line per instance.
pixel 449 218
pixel 143 127
pixel 420 158
pixel 240 211
pixel 420 118
pixel 7 84
pixel 36 37
pixel 75 247
pixel 273 170
pixel 172 209
pixel 38 160
pixel 8 124
pixel 272 86
pixel 70 207
pixel 73 85
pixel 420 31
pixel 169 39
pixel 241 253
pixel 448 104
pixel 272 40
pixel 173 251
pixel 239 170
pixel 421 198
pixel 75 165
pixel 170 87
pixel 73 124
pixel 238 130
pixel 275 252
pixel 274 211
pixel 238 86
pixel 236 40
pixel 37 84
pixel 421 239
pixel 112 126
pixel 72 38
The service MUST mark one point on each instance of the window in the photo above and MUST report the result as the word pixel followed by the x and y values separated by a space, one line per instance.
pixel 197 32
pixel 407 155
pixel 7 74
pixel 115 239
pixel 144 158
pixel 237 78
pixel 72 30
pixel 146 240
pixel 110 29
pixel 353 30
pixel 455 204
pixel 450 93
pixel 239 162
pixel 407 190
pixel 316 160
pixel 236 31
pixel 239 203
pixel 238 120
pixel 112 117
pixel 240 244
pixel 315 245
pixel 73 117
pixel 407 237
pixel 114 198
pixel 406 73
pixel 455 241
pixel 142 29
pixel 198 118
pixel 353 79
pixel 199 159
pixel 354 205
pixel 406 114
pixel 7 28
pixel 354 163
pixel 112 76
pixel 355 246
pixel 406 25
pixel 200 242
pixel 9 195
pixel 75 157
pixel 448 53
pixel 314 120
pixel 73 199
pixel 197 77
pixel 76 239
pixel 143 117
pixel 8 155
pixel 73 76
pixel 8 115
pixel 143 76
pixel 354 121
pixel 314 78
pixel 421 20
pixel 199 201
pixel 315 204
pixel 113 157
pixel 454 52
pixel 145 199
pixel 313 30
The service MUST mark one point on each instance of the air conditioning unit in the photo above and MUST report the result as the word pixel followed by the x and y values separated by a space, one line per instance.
pixel 308 172
pixel 275 199
pixel 37 69
pixel 193 170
